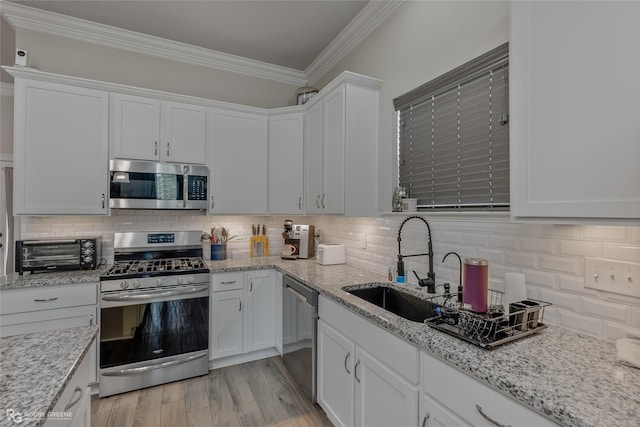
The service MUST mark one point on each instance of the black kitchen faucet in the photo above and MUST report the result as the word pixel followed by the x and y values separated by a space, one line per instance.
pixel 430 281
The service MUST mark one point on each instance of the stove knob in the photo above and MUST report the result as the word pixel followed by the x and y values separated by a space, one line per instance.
pixel 190 279
pixel 136 284
pixel 180 280
pixel 124 284
pixel 159 282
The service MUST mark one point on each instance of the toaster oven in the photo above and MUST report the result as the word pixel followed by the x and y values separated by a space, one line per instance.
pixel 56 255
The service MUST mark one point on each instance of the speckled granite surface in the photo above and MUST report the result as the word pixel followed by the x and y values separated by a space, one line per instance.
pixel 35 369
pixel 15 281
pixel 571 378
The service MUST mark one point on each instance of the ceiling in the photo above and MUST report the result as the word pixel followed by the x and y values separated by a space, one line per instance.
pixel 289 33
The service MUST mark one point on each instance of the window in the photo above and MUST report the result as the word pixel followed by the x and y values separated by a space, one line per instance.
pixel 453 136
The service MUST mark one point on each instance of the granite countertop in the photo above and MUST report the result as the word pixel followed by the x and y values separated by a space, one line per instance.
pixel 29 280
pixel 35 369
pixel 572 378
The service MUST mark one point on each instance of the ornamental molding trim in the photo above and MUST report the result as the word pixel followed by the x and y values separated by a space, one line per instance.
pixel 29 18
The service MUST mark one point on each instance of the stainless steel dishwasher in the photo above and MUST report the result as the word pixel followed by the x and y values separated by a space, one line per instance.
pixel 299 330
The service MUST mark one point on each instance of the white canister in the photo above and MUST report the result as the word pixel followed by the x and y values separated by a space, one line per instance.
pixel 409 205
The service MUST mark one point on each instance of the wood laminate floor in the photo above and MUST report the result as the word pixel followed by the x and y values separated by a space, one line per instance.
pixel 252 394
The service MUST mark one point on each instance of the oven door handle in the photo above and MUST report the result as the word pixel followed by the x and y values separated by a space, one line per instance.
pixel 143 369
pixel 135 296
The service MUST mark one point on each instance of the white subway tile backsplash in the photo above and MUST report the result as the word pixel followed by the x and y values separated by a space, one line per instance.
pixel 536 244
pixel 562 265
pixel 540 278
pixel 568 301
pixel 580 248
pixel 607 310
pixel 590 325
pixel 604 233
pixel 523 259
pixel 614 331
pixel 551 256
pixel 622 253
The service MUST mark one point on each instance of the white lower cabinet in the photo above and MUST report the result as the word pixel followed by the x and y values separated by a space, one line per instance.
pixel 73 408
pixel 451 398
pixel 41 309
pixel 242 313
pixel 366 376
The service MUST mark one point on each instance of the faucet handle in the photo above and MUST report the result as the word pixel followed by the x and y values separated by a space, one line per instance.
pixel 428 282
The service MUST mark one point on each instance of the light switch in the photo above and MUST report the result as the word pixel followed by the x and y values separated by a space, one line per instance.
pixel 612 276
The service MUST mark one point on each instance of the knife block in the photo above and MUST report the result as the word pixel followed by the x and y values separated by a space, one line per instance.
pixel 259 246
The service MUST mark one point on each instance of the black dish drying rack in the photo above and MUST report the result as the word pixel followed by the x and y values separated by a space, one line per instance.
pixel 499 325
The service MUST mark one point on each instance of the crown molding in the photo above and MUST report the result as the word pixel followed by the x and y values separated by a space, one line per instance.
pixel 20 16
pixel 6 89
pixel 358 29
pixel 24 17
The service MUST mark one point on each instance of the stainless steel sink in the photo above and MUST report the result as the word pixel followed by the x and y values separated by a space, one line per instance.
pixel 397 302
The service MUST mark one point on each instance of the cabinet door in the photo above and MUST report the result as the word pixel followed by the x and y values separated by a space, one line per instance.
pixel 336 357
pixel 238 162
pixel 183 136
pixel 136 127
pixel 286 164
pixel 435 415
pixel 60 149
pixel 575 108
pixel 334 152
pixel 383 398
pixel 260 313
pixel 226 334
pixel 313 131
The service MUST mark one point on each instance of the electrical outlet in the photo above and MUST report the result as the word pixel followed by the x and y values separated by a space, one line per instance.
pixel 612 276
pixel 363 241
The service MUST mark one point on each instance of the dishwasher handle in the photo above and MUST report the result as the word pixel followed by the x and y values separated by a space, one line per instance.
pixel 301 291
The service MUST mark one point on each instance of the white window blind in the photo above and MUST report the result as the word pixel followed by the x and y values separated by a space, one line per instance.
pixel 453 136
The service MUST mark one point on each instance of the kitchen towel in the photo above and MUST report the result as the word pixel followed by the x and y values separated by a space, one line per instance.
pixel 628 350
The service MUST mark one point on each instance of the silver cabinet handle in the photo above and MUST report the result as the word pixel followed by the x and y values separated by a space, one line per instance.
pixel 73 402
pixel 45 299
pixel 355 370
pixel 300 203
pixel 424 420
pixel 318 201
pixel 168 148
pixel 91 320
pixel 488 418
pixel 155 150
pixel 251 286
pixel 322 201
pixel 212 202
pixel 240 307
pixel 103 199
pixel 345 363
pixel 228 283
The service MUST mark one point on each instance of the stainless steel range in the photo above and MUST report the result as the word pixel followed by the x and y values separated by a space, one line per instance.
pixel 154 311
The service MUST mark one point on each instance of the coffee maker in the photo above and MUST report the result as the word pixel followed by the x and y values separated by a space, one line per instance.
pixel 299 240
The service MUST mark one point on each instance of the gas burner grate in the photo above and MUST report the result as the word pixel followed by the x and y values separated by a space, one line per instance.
pixel 166 265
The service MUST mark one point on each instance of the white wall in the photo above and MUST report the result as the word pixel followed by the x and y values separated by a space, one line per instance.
pixel 60 55
pixel 419 42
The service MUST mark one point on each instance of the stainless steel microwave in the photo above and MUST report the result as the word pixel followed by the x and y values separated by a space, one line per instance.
pixel 136 184
pixel 57 255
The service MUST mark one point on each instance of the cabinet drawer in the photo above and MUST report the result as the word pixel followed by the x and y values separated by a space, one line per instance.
pixel 47 320
pixel 470 399
pixel 50 297
pixel 227 281
pixel 73 397
pixel 394 352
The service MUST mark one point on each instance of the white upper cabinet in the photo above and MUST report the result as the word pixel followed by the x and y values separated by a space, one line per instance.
pixel 183 133
pixel 286 164
pixel 575 110
pixel 60 149
pixel 150 129
pixel 237 162
pixel 341 148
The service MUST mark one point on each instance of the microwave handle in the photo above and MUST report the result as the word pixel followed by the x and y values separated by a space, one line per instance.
pixel 185 185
